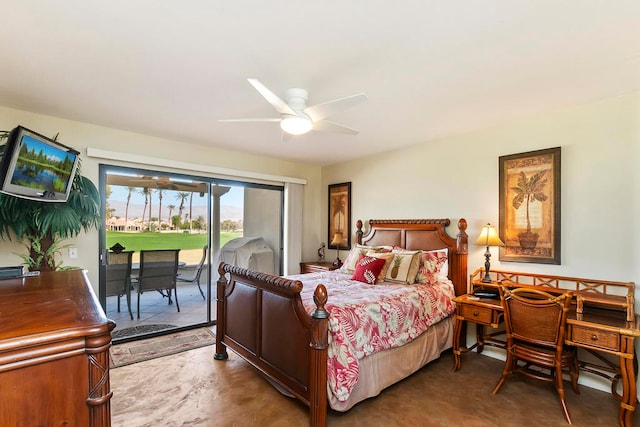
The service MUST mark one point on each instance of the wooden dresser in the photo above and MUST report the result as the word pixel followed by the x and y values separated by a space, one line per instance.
pixel 54 352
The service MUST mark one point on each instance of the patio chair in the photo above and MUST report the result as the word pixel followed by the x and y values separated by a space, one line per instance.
pixel 194 275
pixel 118 276
pixel 158 271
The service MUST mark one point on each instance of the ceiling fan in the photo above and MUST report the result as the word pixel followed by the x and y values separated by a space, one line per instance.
pixel 296 118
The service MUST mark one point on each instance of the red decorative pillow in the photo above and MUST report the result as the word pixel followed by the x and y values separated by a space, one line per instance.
pixel 367 269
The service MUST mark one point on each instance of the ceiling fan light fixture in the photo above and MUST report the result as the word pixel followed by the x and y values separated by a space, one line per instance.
pixel 295 125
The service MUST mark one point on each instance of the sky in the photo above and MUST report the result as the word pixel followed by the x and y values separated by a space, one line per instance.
pixel 235 197
pixel 52 153
pixel 232 201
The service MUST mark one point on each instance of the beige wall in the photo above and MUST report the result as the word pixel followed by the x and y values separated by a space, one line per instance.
pixel 81 136
pixel 458 177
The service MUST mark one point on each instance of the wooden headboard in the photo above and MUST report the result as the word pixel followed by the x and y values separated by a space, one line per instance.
pixel 425 234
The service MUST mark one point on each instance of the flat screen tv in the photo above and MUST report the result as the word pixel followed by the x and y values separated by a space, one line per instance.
pixel 36 167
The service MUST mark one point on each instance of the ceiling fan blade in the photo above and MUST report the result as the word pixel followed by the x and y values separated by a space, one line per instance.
pixel 273 99
pixel 328 126
pixel 327 109
pixel 250 120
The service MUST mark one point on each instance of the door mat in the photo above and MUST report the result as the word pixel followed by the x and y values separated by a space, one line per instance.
pixel 139 330
pixel 165 345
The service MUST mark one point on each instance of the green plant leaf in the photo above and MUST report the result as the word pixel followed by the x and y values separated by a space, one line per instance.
pixel 30 221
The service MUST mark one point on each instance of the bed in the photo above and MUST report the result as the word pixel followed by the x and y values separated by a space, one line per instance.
pixel 282 325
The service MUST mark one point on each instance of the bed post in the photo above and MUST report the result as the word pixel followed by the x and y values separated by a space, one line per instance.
pixel 462 239
pixel 221 349
pixel 318 362
pixel 359 232
pixel 462 251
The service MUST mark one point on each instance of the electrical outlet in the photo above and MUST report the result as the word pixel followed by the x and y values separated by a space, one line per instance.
pixel 73 253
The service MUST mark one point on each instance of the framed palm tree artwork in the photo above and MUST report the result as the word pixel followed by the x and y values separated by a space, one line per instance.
pixel 530 206
pixel 339 216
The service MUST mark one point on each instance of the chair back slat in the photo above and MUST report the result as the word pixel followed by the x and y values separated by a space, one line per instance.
pixel 204 256
pixel 189 275
pixel 535 316
pixel 118 272
pixel 201 264
pixel 158 269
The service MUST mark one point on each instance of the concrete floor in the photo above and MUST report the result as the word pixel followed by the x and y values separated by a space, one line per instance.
pixel 191 388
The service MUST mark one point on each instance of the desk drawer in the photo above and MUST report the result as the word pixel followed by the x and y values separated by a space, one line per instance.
pixel 595 338
pixel 477 314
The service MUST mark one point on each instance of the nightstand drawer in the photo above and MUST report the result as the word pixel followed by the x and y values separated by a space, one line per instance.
pixel 595 338
pixel 314 267
pixel 477 314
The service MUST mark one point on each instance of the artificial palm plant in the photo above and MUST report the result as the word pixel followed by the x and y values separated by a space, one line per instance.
pixel 41 226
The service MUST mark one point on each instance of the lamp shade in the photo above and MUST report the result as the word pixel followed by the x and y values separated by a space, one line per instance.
pixel 489 237
pixel 295 125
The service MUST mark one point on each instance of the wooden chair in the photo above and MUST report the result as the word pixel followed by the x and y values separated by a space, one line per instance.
pixel 158 271
pixel 118 276
pixel 535 323
pixel 194 277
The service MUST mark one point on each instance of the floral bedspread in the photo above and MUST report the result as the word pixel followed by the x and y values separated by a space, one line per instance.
pixel 365 319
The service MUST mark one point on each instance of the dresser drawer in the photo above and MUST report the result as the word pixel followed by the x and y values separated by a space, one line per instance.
pixel 477 314
pixel 595 338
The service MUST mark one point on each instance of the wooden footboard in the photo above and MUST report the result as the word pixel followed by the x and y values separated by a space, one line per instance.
pixel 258 316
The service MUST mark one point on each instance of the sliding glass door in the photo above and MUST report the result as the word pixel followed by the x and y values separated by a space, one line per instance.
pixel 206 219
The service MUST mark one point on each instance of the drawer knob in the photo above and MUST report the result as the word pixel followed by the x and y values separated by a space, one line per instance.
pixel 475 313
pixel 594 337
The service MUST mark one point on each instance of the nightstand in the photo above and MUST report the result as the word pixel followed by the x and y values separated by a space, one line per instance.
pixel 483 312
pixel 316 266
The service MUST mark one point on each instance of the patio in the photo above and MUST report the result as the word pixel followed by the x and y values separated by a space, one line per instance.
pixel 154 308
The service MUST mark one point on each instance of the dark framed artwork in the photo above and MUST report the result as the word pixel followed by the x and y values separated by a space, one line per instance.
pixel 530 206
pixel 339 235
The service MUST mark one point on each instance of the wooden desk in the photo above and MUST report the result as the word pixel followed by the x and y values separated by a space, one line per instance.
pixel 54 352
pixel 596 330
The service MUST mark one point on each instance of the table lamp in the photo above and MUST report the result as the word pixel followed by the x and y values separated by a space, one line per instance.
pixel 337 241
pixel 488 237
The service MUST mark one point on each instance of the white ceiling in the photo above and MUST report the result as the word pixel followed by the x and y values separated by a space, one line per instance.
pixel 429 68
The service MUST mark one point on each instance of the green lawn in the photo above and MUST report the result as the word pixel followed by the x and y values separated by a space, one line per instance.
pixel 150 240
